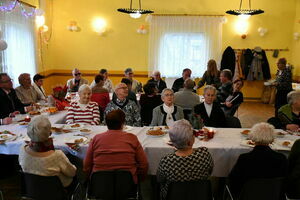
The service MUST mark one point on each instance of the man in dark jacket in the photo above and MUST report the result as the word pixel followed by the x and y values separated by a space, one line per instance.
pixel 156 79
pixel 178 83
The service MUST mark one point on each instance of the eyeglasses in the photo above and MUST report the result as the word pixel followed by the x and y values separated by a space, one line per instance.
pixel 77 74
pixel 7 81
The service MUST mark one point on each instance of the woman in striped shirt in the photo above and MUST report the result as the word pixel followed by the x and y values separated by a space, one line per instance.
pixel 84 110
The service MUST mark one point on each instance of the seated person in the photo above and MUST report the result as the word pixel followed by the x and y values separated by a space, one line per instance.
pixel 261 162
pixel 186 163
pixel 38 86
pixel 74 83
pixel 131 110
pixel 226 88
pixel 168 113
pixel 211 76
pixel 148 102
pixel 186 98
pixel 100 95
pixel 156 79
pixel 107 82
pixel 178 83
pixel 124 153
pixel 26 92
pixel 84 110
pixel 289 114
pixel 39 156
pixel 10 105
pixel 131 95
pixel 136 86
pixel 209 111
pixel 293 187
pixel 234 100
pixel 58 96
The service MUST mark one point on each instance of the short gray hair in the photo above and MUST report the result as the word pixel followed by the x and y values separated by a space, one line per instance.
pixel 181 133
pixel 293 96
pixel 165 90
pixel 22 77
pixel 39 129
pixel 189 84
pixel 262 133
pixel 84 87
pixel 210 87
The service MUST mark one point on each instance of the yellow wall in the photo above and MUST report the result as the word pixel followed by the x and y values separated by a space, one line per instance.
pixel 122 47
pixel 296 43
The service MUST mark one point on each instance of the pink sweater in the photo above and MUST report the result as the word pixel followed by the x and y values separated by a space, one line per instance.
pixel 89 114
pixel 116 149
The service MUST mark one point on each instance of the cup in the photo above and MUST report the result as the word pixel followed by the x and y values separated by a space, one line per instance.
pixel 27 119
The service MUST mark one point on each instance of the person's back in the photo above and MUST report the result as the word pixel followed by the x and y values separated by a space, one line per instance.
pixel 186 99
pixel 148 103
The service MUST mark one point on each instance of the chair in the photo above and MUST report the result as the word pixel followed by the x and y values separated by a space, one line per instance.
pixel 233 122
pixel 112 185
pixel 187 114
pixel 42 187
pixel 191 190
pixel 262 189
pixel 231 111
pixel 275 122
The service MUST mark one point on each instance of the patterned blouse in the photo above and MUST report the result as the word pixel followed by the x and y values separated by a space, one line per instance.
pixel 173 168
pixel 129 107
pixel 79 113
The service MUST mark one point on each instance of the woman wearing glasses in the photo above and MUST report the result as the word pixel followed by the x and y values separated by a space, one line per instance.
pixel 74 83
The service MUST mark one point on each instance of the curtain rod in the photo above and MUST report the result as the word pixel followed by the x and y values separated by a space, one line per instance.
pixel 188 15
pixel 27 4
pixel 265 49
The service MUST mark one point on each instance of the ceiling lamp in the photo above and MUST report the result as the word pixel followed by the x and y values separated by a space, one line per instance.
pixel 245 11
pixel 133 12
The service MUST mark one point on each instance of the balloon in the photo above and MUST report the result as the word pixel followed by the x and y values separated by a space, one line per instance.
pixel 3 45
pixel 39 12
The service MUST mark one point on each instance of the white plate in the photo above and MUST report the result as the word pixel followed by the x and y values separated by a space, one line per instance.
pixel 7 137
pixel 280 143
pixel 128 128
pixel 69 126
pixel 74 138
pixel 245 143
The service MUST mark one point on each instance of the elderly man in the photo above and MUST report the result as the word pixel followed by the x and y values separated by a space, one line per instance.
pixel 107 82
pixel 74 83
pixel 38 86
pixel 136 85
pixel 178 83
pixel 156 79
pixel 131 110
pixel 186 98
pixel 26 92
pixel 10 105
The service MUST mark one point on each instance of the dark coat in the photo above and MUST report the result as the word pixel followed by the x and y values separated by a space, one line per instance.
pixel 9 103
pixel 294 172
pixel 178 84
pixel 217 116
pixel 162 84
pixel 147 105
pixel 228 60
pixel 248 57
pixel 265 66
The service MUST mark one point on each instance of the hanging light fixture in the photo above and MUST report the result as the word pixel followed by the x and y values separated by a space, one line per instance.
pixel 245 11
pixel 133 12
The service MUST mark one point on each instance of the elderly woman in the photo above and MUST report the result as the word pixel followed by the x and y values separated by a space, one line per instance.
pixel 107 82
pixel 129 107
pixel 261 162
pixel 125 153
pixel 167 113
pixel 289 114
pixel 211 76
pixel 39 156
pixel 234 100
pixel 209 111
pixel 99 93
pixel 283 83
pixel 186 163
pixel 74 83
pixel 84 110
pixel 26 92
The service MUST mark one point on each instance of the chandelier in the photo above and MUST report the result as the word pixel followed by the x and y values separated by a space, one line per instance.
pixel 134 12
pixel 241 11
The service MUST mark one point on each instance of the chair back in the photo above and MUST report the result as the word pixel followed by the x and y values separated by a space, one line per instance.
pixel 112 185
pixel 233 122
pixel 43 187
pixel 191 190
pixel 263 189
pixel 187 114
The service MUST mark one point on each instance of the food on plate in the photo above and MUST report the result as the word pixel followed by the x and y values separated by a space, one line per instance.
pixel 23 123
pixel 4 137
pixel 51 110
pixel 250 142
pixel 75 125
pixel 205 129
pixel 79 140
pixel 245 132
pixel 166 127
pixel 34 113
pixel 155 132
pixel 7 132
pixel 59 130
pixel 286 143
pixel 85 130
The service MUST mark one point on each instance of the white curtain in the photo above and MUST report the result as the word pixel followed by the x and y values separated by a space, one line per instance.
pixel 19 33
pixel 178 42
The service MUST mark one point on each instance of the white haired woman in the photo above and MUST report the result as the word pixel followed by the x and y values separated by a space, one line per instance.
pixel 84 110
pixel 289 114
pixel 167 113
pixel 39 156
pixel 186 163
pixel 261 162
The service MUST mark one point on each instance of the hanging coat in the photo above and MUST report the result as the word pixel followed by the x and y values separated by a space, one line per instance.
pixel 265 66
pixel 228 60
pixel 248 57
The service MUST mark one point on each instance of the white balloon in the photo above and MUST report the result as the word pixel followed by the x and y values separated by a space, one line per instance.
pixel 39 12
pixel 3 45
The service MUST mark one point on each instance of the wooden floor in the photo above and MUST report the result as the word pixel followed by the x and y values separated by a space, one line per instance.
pixel 251 113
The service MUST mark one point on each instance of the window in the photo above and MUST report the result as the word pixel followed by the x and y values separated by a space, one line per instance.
pixel 182 50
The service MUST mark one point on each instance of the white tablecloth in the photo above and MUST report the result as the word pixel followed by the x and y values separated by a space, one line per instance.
pixel 225 147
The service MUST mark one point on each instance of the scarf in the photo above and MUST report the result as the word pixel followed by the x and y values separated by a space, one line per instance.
pixel 169 111
pixel 41 146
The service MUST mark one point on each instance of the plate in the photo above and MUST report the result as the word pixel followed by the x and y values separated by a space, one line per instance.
pixel 60 130
pixel 85 130
pixel 76 139
pixel 75 126
pixel 156 133
pixel 245 133
pixel 247 143
pixel 285 143
pixel 128 128
pixel 280 134
pixel 23 123
pixel 6 137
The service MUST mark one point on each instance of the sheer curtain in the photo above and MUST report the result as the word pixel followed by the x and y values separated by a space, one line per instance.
pixel 178 42
pixel 19 34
